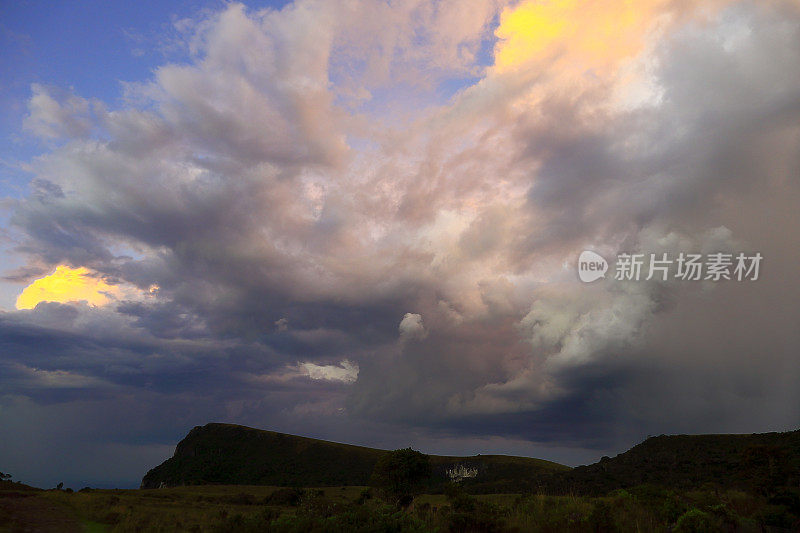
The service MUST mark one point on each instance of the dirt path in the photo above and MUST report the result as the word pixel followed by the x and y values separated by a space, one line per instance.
pixel 26 511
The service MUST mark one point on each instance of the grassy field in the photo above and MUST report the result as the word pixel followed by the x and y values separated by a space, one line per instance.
pixel 352 509
pixel 223 478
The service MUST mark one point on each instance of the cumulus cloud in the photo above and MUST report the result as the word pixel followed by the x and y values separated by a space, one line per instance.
pixel 302 167
pixel 411 327
pixel 346 371
pixel 55 114
pixel 67 284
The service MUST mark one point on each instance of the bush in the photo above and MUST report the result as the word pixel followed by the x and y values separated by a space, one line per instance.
pixel 241 499
pixel 350 519
pixel 285 497
pixel 368 519
pixel 601 518
pixel 364 496
pixel 400 475
pixel 696 521
pixel 468 514
pixel 252 524
pixel 776 516
pixel 787 497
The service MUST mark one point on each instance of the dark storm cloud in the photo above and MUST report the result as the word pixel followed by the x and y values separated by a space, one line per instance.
pixel 658 178
pixel 291 258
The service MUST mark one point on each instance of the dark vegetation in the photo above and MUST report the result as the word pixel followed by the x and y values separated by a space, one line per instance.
pixel 400 475
pixel 218 508
pixel 670 484
pixel 238 455
pixel 230 454
pixel 761 462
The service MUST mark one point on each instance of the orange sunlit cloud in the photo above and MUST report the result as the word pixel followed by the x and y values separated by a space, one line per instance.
pixel 592 34
pixel 67 285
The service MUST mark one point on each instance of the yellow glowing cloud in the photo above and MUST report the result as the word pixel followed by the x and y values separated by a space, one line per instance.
pixel 67 285
pixel 590 34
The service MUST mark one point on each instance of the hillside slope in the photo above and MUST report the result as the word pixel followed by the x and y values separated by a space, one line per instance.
pixel 238 455
pixel 231 454
pixel 756 462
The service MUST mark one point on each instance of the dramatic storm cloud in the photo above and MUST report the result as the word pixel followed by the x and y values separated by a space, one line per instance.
pixel 361 221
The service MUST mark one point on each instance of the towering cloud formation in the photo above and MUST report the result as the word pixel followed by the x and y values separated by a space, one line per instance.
pixel 314 173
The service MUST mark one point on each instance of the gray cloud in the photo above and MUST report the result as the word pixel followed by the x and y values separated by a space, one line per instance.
pixel 328 266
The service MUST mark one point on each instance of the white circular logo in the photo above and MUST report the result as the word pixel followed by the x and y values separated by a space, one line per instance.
pixel 591 266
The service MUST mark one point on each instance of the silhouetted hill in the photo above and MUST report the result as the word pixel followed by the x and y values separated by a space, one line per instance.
pixel 231 454
pixel 758 461
pixel 7 486
pixel 238 455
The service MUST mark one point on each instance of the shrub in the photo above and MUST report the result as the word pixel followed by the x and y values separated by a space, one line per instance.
pixel 241 499
pixel 250 524
pixel 468 514
pixel 364 496
pixel 696 521
pixel 314 503
pixel 776 516
pixel 399 475
pixel 285 497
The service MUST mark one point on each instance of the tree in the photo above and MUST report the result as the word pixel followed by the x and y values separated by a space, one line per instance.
pixel 3 476
pixel 400 475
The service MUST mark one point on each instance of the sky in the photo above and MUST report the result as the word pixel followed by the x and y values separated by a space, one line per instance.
pixel 361 221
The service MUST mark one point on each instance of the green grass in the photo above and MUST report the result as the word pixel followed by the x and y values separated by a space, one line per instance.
pixel 175 509
pixel 680 483
pixel 221 508
pixel 94 527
